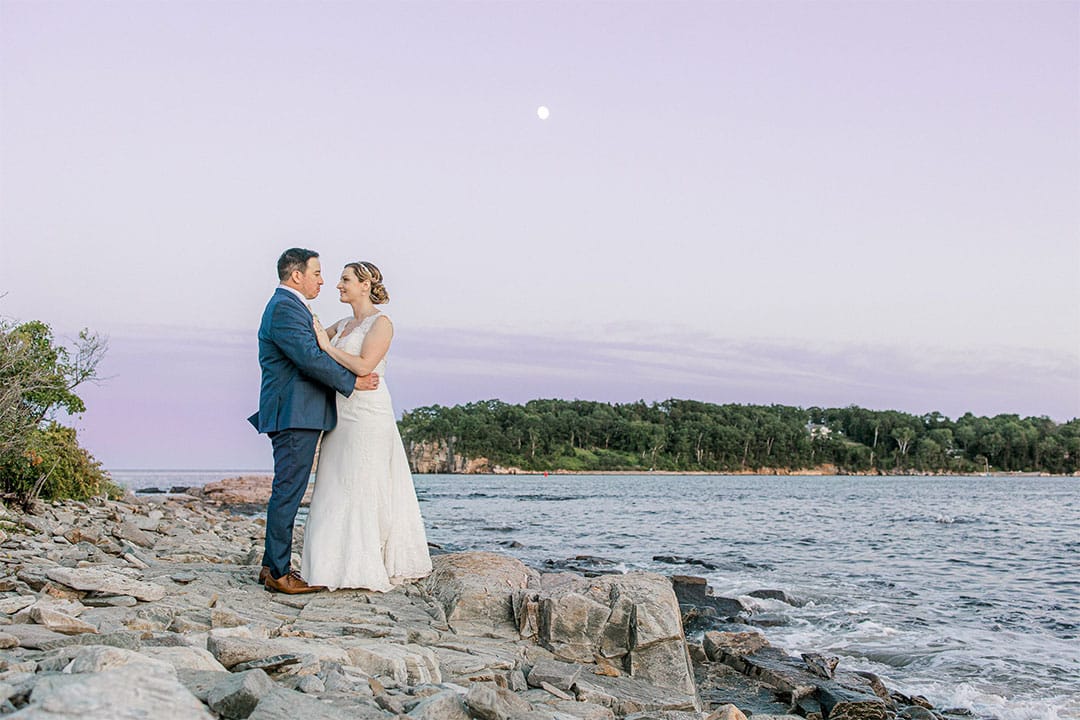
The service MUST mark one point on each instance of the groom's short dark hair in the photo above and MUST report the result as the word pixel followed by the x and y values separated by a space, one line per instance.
pixel 293 259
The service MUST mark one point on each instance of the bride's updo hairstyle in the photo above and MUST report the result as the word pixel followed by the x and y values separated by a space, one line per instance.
pixel 368 271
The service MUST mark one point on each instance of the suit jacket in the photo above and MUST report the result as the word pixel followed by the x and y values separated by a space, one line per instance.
pixel 298 379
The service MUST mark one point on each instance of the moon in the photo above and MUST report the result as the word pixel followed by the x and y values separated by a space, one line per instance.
pixel 542 112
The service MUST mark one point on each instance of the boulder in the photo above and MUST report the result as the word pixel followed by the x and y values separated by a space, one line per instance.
pixel 282 704
pixel 630 621
pixel 406 664
pixel 236 696
pixel 726 712
pixel 59 621
pixel 200 682
pixel 842 703
pixel 487 701
pixel 112 695
pixel 34 637
pixel 268 664
pixel 128 530
pixel 626 695
pixel 849 695
pixel 105 581
pixel 12 605
pixel 570 623
pixel 181 657
pixel 558 674
pixel 717 644
pixel 701 609
pixel 476 590
pixel 99 658
pixel 446 705
pixel 231 651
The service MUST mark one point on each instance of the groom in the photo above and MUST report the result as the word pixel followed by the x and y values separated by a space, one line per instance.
pixel 296 404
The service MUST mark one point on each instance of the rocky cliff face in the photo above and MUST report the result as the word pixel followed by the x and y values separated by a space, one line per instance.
pixel 439 457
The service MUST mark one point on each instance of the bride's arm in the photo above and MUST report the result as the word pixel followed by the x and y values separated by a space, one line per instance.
pixel 376 344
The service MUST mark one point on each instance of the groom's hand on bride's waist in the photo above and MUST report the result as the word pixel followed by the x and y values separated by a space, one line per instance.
pixel 367 382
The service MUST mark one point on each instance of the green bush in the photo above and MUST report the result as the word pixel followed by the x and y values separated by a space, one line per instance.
pixel 38 376
pixel 54 466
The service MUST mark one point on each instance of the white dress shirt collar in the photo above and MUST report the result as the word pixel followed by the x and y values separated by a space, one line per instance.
pixel 298 294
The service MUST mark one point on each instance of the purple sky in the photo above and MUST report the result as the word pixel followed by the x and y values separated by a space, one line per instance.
pixel 820 203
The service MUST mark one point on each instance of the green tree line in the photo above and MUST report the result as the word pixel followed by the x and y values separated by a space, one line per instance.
pixel 688 435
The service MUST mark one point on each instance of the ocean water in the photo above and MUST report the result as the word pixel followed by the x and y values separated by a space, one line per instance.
pixel 963 589
pixel 166 479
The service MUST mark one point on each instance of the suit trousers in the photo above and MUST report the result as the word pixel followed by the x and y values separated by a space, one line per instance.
pixel 294 455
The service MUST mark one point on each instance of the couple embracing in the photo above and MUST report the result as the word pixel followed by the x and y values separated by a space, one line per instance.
pixel 364 528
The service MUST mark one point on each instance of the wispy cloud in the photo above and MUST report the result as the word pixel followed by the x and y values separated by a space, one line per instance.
pixel 178 398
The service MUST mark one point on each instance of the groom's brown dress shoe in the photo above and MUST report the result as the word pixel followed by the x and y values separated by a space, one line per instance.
pixel 263 574
pixel 291 584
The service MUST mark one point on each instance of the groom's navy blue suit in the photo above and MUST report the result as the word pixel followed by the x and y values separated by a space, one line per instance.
pixel 296 403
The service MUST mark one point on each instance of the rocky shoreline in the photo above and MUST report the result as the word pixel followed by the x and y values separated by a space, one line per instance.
pixel 148 607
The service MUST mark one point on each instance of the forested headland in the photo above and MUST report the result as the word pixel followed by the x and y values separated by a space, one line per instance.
pixel 692 436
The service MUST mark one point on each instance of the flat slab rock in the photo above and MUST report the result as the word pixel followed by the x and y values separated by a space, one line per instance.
pixel 282 704
pixel 627 694
pixel 112 695
pixel 105 582
pixel 34 637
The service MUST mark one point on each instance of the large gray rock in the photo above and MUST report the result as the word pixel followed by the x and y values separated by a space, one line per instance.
pixel 34 637
pixel 626 695
pixel 630 620
pixel 406 664
pixel 99 658
pixel 717 645
pixel 184 658
pixel 231 651
pixel 236 696
pixel 558 674
pixel 476 591
pixel 727 712
pixel 113 695
pixel 571 623
pixel 105 582
pixel 59 621
pixel 487 701
pixel 200 682
pixel 282 704
pixel 128 530
pixel 848 696
pixel 447 705
pixel 15 603
pixel 844 703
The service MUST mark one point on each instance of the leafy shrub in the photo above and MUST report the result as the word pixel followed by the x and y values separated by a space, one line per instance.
pixel 38 456
pixel 55 466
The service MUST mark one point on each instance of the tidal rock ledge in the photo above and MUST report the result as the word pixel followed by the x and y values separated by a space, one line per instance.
pixel 149 608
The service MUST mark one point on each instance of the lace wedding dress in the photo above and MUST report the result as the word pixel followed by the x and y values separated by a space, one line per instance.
pixel 364 528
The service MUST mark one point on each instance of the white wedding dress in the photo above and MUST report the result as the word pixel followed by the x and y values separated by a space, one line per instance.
pixel 364 528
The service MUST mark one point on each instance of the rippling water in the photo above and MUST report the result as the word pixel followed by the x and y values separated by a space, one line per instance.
pixel 965 590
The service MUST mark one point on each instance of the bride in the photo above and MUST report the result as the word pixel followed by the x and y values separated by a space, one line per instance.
pixel 364 528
